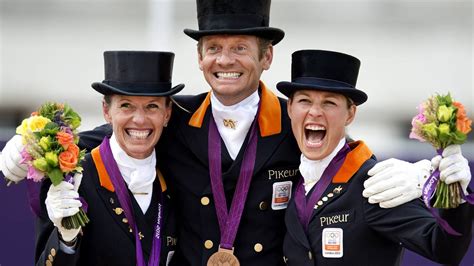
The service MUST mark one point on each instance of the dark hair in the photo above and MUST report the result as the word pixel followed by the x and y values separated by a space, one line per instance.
pixel 263 45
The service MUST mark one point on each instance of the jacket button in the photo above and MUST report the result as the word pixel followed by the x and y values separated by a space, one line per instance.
pixel 263 206
pixel 258 247
pixel 208 244
pixel 53 252
pixel 310 255
pixel 49 263
pixel 205 201
pixel 50 257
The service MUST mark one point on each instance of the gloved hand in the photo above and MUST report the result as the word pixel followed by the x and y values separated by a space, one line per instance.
pixel 453 167
pixel 10 160
pixel 62 201
pixel 394 182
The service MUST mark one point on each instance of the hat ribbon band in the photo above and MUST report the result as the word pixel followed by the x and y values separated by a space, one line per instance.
pixel 138 86
pixel 234 21
pixel 321 82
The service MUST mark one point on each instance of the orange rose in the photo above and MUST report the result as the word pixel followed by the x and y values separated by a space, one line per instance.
pixel 64 139
pixel 67 161
pixel 463 123
pixel 74 149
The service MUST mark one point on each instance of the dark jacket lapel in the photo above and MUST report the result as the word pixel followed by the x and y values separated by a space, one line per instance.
pixel 294 226
pixel 112 205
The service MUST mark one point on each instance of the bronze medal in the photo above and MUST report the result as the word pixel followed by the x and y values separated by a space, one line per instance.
pixel 223 257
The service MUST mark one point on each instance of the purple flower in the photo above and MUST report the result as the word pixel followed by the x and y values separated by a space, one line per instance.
pixel 417 122
pixel 34 174
pixel 66 129
pixel 25 156
pixel 414 135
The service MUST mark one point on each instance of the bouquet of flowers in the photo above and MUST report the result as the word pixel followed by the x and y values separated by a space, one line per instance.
pixel 50 149
pixel 442 121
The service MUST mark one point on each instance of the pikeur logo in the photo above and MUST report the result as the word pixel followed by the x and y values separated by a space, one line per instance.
pixel 279 174
pixel 328 220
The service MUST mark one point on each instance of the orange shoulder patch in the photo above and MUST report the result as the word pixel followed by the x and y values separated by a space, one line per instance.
pixel 162 180
pixel 198 116
pixel 104 177
pixel 269 119
pixel 358 155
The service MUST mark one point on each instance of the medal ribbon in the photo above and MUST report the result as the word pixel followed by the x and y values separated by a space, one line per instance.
pixel 126 203
pixel 305 207
pixel 229 221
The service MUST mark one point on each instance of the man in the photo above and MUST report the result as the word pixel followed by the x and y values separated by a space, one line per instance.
pixel 235 45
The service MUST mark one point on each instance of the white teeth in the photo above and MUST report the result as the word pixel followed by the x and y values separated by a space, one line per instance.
pixel 228 74
pixel 315 127
pixel 139 134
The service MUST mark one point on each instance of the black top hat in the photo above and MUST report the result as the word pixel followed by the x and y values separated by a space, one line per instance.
pixel 138 73
pixel 325 71
pixel 236 17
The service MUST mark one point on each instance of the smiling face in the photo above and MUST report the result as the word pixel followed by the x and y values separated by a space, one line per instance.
pixel 318 120
pixel 232 66
pixel 137 122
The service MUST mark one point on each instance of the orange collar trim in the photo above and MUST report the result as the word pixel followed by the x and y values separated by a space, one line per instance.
pixel 358 155
pixel 269 119
pixel 104 177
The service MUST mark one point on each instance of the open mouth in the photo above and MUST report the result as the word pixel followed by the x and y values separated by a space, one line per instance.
pixel 314 135
pixel 138 134
pixel 227 75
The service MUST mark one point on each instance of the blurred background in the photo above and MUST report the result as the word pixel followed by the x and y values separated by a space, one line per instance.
pixel 51 50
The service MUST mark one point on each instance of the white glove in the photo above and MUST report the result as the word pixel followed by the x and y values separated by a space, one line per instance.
pixel 394 182
pixel 10 160
pixel 62 201
pixel 453 167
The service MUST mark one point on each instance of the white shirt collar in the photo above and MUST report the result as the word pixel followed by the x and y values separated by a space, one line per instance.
pixel 234 121
pixel 139 174
pixel 312 170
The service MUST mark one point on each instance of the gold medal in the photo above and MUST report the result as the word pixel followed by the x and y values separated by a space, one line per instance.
pixel 223 257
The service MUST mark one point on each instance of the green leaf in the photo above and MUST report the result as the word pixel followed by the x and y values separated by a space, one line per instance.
pixel 56 176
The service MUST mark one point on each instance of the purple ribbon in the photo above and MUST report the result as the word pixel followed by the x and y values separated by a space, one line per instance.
pixel 70 179
pixel 229 221
pixel 304 206
pixel 468 198
pixel 126 203
pixel 33 191
pixel 429 189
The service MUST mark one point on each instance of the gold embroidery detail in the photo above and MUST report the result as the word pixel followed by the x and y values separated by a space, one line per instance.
pixel 229 123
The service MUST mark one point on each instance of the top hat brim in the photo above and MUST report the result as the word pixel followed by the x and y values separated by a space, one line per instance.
pixel 106 89
pixel 273 34
pixel 288 88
